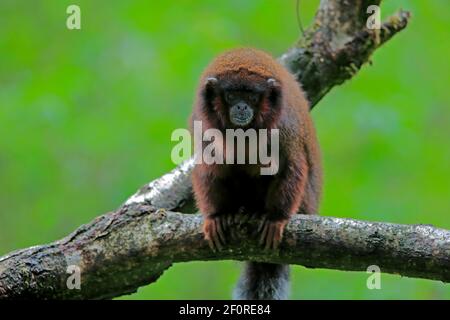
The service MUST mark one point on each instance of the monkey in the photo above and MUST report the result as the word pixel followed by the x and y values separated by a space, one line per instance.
pixel 247 88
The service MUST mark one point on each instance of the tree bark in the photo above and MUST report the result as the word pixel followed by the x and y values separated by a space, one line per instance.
pixel 132 246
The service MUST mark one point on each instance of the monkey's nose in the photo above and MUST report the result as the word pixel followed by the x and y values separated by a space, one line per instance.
pixel 242 107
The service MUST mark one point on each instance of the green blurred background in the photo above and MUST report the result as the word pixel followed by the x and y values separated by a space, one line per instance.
pixel 86 118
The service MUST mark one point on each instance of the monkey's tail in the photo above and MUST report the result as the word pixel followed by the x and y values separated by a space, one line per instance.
pixel 263 281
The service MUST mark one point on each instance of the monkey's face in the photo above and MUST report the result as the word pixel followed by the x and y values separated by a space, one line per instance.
pixel 241 106
pixel 242 102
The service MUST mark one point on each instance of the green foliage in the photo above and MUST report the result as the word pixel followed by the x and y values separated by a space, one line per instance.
pixel 86 118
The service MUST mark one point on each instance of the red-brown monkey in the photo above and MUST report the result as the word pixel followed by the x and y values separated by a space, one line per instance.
pixel 247 88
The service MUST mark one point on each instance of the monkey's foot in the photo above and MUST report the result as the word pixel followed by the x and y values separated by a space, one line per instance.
pixel 213 229
pixel 271 233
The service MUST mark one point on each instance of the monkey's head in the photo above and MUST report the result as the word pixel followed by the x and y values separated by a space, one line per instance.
pixel 241 99
pixel 241 89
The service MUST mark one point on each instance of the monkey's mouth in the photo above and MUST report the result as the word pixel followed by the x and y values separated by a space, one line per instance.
pixel 241 119
pixel 241 122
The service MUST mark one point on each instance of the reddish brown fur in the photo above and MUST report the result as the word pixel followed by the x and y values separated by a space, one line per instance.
pixel 221 190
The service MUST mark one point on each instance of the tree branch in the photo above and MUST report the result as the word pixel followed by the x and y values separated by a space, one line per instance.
pixel 132 246
pixel 337 45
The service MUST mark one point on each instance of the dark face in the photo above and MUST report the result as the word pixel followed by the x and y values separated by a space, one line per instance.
pixel 237 101
pixel 242 106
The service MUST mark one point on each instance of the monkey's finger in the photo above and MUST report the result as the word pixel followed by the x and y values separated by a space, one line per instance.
pixel 207 235
pixel 238 217
pixel 211 245
pixel 254 216
pixel 210 242
pixel 234 234
pixel 263 234
pixel 225 222
pixel 220 230
pixel 281 234
pixel 230 234
pixel 215 237
pixel 276 241
pixel 270 237
pixel 211 235
pixel 217 243
pixel 231 218
pixel 278 237
pixel 262 225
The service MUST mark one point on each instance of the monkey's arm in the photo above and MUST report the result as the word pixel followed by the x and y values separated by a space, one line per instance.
pixel 284 198
pixel 215 201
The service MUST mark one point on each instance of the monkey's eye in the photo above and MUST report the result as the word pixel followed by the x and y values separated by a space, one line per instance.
pixel 229 96
pixel 253 98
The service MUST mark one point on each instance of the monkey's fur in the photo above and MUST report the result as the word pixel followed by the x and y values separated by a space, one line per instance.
pixel 270 98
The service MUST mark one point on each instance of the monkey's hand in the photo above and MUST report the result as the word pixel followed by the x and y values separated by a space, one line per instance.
pixel 213 229
pixel 271 233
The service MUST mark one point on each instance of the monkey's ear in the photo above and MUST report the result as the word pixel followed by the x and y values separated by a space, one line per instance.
pixel 272 82
pixel 210 88
pixel 211 81
pixel 274 91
